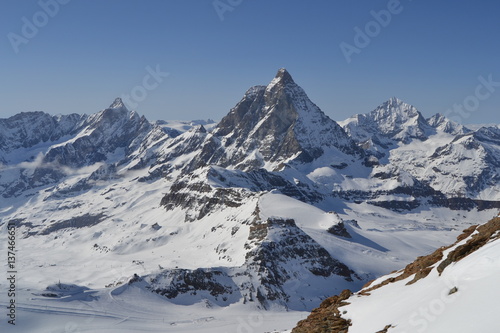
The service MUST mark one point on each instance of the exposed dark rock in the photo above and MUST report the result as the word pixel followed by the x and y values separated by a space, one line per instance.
pixel 386 329
pixel 77 222
pixel 290 244
pixel 396 205
pixel 485 233
pixel 183 281
pixel 327 317
pixel 339 230
pixel 201 197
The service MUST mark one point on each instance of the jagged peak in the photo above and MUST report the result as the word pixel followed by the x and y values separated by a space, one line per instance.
pixel 283 75
pixel 282 78
pixel 392 106
pixel 115 113
pixel 447 125
pixel 395 101
pixel 198 129
pixel 395 106
pixel 118 104
pixel 438 119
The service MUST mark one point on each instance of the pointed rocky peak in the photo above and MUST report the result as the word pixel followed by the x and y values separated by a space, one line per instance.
pixel 400 120
pixel 395 101
pixel 198 129
pixel 283 76
pixel 281 80
pixel 446 125
pixel 115 121
pixel 118 104
pixel 393 119
pixel 436 119
pixel 117 111
pixel 279 122
pixel 396 109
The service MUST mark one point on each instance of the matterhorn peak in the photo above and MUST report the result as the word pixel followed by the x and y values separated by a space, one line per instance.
pixel 282 78
pixel 280 123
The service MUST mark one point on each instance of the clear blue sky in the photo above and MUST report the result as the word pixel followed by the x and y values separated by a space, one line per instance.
pixel 430 54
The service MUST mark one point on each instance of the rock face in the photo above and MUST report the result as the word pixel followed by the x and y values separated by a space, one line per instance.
pixel 280 269
pixel 30 129
pixel 102 134
pixel 273 124
pixel 42 149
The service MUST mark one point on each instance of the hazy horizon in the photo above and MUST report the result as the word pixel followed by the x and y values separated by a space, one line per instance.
pixel 195 59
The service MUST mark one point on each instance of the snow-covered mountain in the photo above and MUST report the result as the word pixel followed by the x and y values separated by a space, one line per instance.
pixel 276 207
pixel 446 156
pixel 394 120
pixel 277 123
pixel 454 289
pixel 446 125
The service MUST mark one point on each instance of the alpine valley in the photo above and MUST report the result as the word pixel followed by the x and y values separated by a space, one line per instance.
pixel 244 225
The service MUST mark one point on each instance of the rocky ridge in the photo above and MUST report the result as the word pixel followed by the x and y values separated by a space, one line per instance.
pixel 120 187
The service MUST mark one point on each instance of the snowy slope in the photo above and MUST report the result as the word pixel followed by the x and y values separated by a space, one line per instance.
pixel 452 290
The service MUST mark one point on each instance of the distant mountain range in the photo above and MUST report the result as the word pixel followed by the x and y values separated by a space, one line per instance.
pixel 274 206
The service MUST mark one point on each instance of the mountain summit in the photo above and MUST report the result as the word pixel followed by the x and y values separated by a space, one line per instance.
pixel 278 123
pixel 393 120
pixel 117 104
pixel 284 76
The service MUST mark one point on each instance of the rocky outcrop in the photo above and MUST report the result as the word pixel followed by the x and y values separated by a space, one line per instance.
pixel 281 264
pixel 328 317
pixel 484 234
